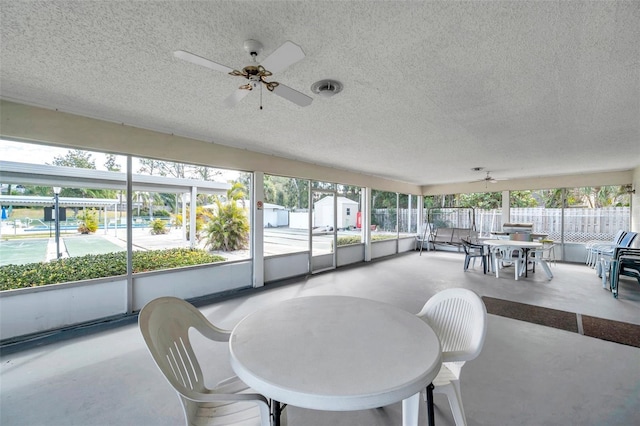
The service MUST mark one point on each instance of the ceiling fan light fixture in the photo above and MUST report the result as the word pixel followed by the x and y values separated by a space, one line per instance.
pixel 326 88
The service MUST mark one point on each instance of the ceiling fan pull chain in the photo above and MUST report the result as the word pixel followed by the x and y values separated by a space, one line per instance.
pixel 261 96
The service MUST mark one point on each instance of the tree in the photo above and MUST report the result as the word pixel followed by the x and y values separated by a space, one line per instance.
pixel 80 160
pixel 383 199
pixel 237 192
pixel 206 173
pixel 75 158
pixel 480 200
pixel 110 164
pixel 151 167
pixel 297 193
pixel 270 190
pixel 522 199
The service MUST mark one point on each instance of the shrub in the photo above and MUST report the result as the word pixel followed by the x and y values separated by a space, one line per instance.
pixel 349 239
pixel 158 227
pixel 88 221
pixel 356 239
pixel 202 215
pixel 99 266
pixel 161 213
pixel 229 228
pixel 380 237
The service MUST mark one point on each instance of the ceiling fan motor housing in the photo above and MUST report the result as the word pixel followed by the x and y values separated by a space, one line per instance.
pixel 253 47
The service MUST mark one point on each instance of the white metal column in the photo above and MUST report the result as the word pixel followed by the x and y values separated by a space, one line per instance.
pixel 192 217
pixel 366 223
pixel 506 207
pixel 257 228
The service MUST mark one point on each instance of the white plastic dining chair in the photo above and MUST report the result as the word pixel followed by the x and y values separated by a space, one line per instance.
pixel 508 254
pixel 165 324
pixel 459 318
pixel 538 257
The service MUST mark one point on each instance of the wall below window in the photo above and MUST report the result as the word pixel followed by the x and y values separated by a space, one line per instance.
pixel 39 309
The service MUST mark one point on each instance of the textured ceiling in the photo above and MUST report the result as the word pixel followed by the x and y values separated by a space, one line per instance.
pixel 431 89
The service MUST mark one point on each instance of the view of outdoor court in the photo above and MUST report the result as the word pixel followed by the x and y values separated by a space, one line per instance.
pixel 42 248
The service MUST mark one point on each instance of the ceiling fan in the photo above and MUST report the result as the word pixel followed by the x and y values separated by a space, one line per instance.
pixel 256 73
pixel 487 179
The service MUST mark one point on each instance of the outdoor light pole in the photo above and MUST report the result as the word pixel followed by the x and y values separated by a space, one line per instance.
pixel 56 192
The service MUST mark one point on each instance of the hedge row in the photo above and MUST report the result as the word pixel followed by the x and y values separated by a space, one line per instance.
pixel 356 239
pixel 99 266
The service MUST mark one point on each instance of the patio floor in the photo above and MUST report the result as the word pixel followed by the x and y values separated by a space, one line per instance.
pixel 527 374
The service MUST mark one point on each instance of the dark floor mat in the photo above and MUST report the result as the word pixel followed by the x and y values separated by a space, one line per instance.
pixel 613 331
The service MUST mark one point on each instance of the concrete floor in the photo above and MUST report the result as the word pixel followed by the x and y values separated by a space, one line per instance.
pixel 526 374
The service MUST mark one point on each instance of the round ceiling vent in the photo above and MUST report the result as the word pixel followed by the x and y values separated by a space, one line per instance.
pixel 326 88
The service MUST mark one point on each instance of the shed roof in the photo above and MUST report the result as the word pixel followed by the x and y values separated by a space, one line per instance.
pixel 341 200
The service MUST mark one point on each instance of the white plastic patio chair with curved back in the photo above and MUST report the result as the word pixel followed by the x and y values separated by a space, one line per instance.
pixel 503 255
pixel 165 324
pixel 459 318
pixel 594 246
pixel 539 257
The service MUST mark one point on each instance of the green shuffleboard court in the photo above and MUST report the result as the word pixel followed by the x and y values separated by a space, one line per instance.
pixel 80 245
pixel 19 252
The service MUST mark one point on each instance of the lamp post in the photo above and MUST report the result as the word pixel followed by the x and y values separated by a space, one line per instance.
pixel 56 192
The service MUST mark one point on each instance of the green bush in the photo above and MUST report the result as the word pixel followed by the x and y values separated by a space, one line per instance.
pixel 161 213
pixel 349 239
pixel 88 221
pixel 99 266
pixel 229 228
pixel 356 239
pixel 158 227
pixel 380 237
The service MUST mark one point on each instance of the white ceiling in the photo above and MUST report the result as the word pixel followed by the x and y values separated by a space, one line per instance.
pixel 431 89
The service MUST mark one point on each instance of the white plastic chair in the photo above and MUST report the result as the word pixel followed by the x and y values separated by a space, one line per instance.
pixel 593 247
pixel 459 318
pixel 508 254
pixel 539 257
pixel 165 324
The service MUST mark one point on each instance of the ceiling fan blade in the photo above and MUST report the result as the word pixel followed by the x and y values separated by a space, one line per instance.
pixel 287 54
pixel 199 60
pixel 292 95
pixel 235 97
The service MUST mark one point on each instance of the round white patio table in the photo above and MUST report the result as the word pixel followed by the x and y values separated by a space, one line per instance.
pixel 336 353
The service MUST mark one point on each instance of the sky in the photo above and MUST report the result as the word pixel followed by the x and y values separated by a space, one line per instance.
pixel 42 154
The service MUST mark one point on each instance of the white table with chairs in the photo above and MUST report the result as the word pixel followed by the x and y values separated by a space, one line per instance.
pixel 517 252
pixel 337 353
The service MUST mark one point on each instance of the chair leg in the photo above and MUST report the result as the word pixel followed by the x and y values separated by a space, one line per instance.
pixel 466 262
pixel 452 391
pixel 546 268
pixel 614 276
